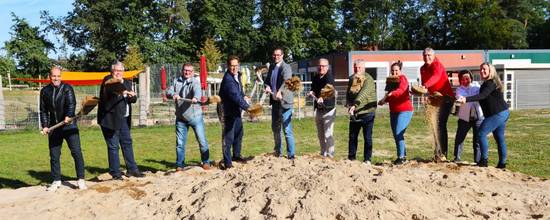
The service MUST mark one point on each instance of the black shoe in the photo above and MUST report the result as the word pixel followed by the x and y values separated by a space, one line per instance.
pixel 135 173
pixel 501 166
pixel 238 159
pixel 117 178
pixel 399 161
pixel 226 166
pixel 482 163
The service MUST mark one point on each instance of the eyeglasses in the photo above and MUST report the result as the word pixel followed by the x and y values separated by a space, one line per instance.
pixel 323 65
pixel 277 55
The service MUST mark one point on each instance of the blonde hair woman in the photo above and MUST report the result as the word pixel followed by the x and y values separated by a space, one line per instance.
pixel 495 110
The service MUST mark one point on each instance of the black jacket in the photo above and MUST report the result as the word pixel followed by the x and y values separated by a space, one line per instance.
pixel 112 106
pixel 490 99
pixel 317 84
pixel 54 109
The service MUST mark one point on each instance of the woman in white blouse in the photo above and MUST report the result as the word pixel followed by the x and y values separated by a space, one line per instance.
pixel 470 115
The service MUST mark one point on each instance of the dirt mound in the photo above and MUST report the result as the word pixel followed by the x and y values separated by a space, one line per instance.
pixel 307 188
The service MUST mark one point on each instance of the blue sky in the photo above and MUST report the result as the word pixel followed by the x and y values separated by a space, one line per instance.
pixel 30 10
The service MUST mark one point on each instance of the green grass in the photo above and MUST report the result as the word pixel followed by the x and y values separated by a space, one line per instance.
pixel 24 157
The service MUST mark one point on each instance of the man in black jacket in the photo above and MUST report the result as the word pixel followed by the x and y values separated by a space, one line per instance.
pixel 114 115
pixel 57 104
pixel 233 104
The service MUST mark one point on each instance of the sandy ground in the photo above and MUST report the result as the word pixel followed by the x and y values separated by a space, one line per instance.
pixel 308 188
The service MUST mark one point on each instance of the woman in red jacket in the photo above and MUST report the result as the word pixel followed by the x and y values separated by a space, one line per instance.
pixel 401 110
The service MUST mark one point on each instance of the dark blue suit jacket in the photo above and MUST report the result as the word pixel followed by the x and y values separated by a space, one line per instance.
pixel 232 96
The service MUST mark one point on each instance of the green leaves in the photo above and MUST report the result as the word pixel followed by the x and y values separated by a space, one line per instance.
pixel 29 47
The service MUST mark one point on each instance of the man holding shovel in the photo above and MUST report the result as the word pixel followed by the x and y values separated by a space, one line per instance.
pixel 186 92
pixel 58 104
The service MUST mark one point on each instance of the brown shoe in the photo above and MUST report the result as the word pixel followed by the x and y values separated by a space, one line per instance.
pixel 179 169
pixel 205 166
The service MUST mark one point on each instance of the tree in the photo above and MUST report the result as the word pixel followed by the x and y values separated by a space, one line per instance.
pixel 228 22
pixel 133 59
pixel 29 47
pixel 320 31
pixel 282 25
pixel 7 64
pixel 103 30
pixel 366 24
pixel 212 54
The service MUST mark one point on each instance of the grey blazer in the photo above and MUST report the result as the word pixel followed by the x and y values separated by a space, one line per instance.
pixel 285 72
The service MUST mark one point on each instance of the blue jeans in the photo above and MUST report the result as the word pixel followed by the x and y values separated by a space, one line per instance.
pixel 366 122
pixel 399 122
pixel 281 116
pixel 121 137
pixel 497 124
pixel 55 140
pixel 232 138
pixel 461 132
pixel 182 128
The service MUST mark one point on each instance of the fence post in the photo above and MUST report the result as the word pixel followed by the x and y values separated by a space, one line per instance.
pixel 37 111
pixel 145 96
pixel 2 109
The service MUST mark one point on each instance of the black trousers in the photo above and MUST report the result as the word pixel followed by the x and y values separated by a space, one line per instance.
pixel 55 141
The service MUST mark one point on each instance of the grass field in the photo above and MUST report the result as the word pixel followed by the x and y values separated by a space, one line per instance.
pixel 24 158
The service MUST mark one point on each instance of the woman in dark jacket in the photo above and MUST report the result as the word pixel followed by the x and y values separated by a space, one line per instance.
pixel 496 113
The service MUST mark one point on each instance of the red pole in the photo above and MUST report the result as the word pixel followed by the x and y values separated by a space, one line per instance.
pixel 163 83
pixel 203 75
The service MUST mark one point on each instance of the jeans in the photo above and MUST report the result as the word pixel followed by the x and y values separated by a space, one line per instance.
pixel 461 132
pixel 232 138
pixel 366 122
pixel 443 117
pixel 497 124
pixel 121 137
pixel 281 116
pixel 73 140
pixel 399 122
pixel 324 120
pixel 182 128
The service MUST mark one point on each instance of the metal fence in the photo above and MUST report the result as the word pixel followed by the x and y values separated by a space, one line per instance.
pixel 21 105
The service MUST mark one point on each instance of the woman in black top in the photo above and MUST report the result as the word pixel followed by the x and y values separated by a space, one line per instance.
pixel 496 113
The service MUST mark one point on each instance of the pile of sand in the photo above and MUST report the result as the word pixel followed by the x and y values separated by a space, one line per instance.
pixel 308 188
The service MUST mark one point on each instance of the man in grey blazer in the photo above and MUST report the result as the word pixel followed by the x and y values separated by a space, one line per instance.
pixel 282 101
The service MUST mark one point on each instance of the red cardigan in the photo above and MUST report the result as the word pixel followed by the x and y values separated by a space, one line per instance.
pixel 399 98
pixel 434 77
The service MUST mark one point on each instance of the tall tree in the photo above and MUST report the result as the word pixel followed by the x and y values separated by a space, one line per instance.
pixel 228 22
pixel 281 24
pixel 320 28
pixel 104 29
pixel 29 47
pixel 366 24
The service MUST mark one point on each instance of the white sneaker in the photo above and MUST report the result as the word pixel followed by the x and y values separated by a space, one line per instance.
pixel 368 163
pixel 81 184
pixel 54 186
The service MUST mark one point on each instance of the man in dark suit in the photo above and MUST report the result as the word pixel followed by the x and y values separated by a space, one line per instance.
pixel 58 104
pixel 234 103
pixel 114 115
pixel 282 101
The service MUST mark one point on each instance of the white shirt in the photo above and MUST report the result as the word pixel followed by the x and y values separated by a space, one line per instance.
pixel 466 108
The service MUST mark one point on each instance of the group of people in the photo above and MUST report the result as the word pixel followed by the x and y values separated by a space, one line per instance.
pixel 482 108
